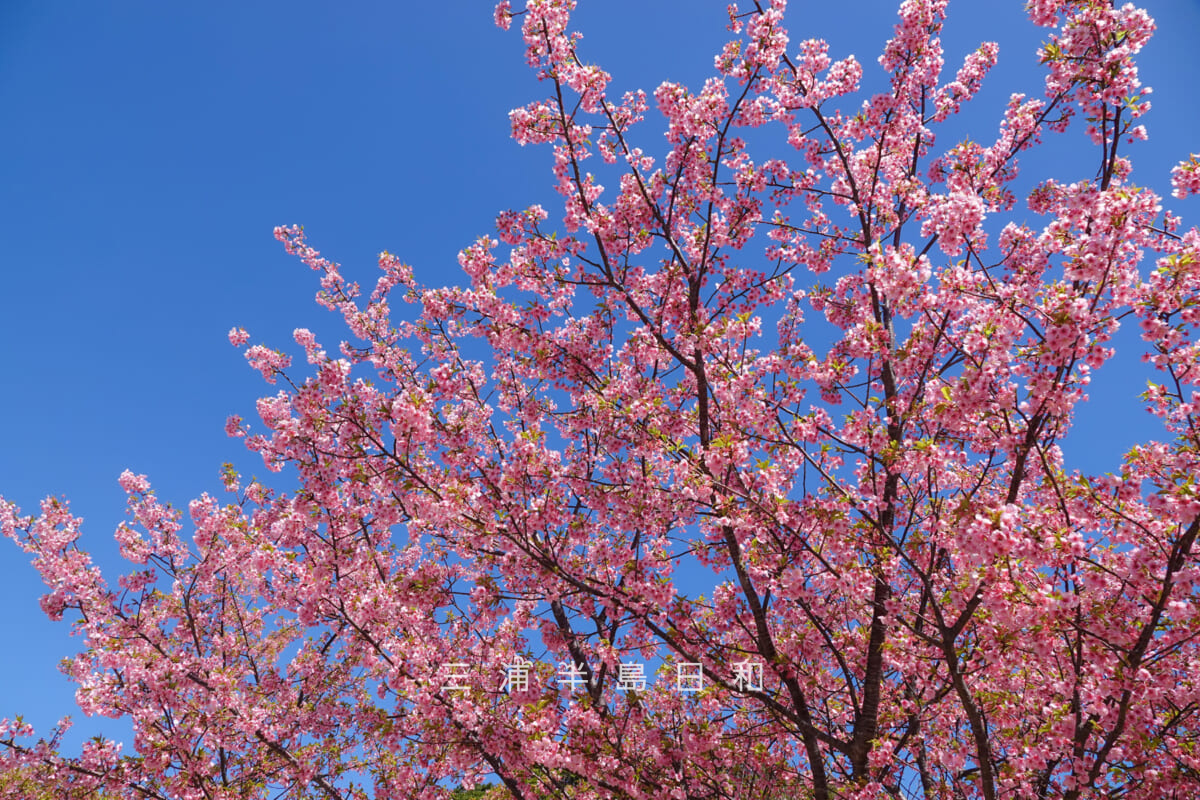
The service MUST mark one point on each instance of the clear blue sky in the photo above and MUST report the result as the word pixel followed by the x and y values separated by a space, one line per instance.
pixel 149 148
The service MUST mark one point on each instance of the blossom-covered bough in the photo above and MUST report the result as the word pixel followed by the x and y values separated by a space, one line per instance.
pixel 511 472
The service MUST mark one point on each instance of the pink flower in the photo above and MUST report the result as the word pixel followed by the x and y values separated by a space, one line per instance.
pixel 503 14
pixel 233 426
pixel 897 467
pixel 134 484
pixel 238 336
pixel 1185 178
pixel 267 361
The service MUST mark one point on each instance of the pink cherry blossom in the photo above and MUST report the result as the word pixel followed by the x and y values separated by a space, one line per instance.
pixel 793 340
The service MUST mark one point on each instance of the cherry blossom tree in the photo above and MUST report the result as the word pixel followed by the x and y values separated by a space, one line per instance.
pixel 836 375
